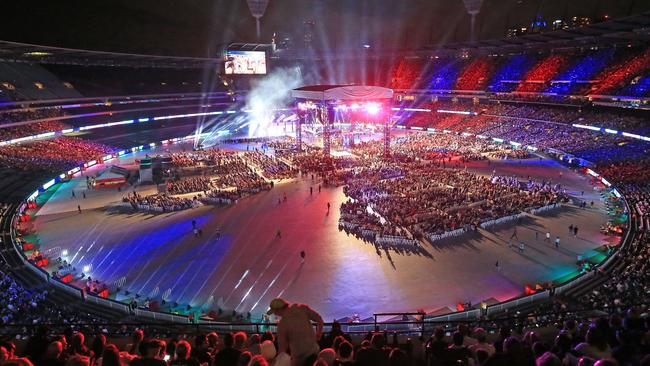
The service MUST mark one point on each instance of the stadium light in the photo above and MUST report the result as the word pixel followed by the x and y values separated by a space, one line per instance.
pixel 373 108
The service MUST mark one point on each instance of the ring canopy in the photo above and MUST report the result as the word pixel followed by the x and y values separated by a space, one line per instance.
pixel 342 93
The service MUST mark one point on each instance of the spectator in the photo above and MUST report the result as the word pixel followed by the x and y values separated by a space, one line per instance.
pixel 78 360
pixel 295 331
pixel 77 346
pixel 268 351
pixel 548 359
pixel 595 346
pixel 97 346
pixel 200 350
pixel 373 355
pixel 345 354
pixel 258 361
pixel 328 355
pixel 457 353
pixel 182 355
pixel 53 355
pixel 481 337
pixel 227 356
pixel 110 356
pixel 152 354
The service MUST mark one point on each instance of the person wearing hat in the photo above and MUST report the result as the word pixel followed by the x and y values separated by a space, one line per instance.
pixel 295 330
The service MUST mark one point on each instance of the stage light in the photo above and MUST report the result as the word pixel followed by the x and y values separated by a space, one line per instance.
pixel 366 46
pixel 372 108
pixel 64 253
pixel 86 268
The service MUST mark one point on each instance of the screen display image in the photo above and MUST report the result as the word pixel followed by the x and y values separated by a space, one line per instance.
pixel 245 63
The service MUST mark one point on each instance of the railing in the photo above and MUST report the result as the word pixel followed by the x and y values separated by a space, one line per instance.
pixel 468 315
pixel 496 308
pixel 115 305
pixel 421 327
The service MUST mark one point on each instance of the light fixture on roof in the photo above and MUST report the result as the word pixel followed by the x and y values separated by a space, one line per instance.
pixel 257 9
pixel 473 7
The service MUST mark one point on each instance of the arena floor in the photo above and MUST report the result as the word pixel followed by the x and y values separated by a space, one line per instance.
pixel 248 266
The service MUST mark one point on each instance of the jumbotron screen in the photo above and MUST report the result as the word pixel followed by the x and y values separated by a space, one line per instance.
pixel 245 62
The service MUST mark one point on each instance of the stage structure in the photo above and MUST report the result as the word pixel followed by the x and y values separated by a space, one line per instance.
pixel 322 102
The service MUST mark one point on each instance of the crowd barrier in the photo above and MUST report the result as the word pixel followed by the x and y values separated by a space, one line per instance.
pixel 217 200
pixel 446 234
pixel 396 241
pixel 74 291
pixel 155 209
pixel 123 308
pixel 474 314
pixel 501 220
pixel 172 318
pixel 347 225
pixel 537 211
pixel 369 234
pixel 500 307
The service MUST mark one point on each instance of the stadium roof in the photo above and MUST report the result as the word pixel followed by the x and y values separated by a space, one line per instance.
pixel 634 30
pixel 24 52
pixel 629 30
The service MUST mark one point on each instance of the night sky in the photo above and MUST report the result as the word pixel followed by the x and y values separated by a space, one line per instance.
pixel 197 27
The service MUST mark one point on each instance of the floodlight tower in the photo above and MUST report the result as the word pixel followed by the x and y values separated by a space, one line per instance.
pixel 257 9
pixel 473 7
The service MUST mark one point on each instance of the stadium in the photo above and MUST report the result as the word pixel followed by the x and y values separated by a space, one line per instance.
pixel 261 182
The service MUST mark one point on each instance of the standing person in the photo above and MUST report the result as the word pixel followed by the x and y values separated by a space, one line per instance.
pixel 73 196
pixel 228 355
pixel 193 224
pixel 311 190
pixel 302 256
pixel 498 266
pixel 514 234
pixel 319 188
pixel 278 234
pixel 328 207
pixel 570 229
pixel 575 231
pixel 557 242
pixel 536 235
pixel 522 246
pixel 548 237
pixel 182 355
pixel 295 331
pixel 79 208
pixel 84 194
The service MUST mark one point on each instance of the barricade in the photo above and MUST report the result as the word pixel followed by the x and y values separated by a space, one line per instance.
pixel 161 316
pixel 501 220
pixel 447 234
pixel 393 240
pixel 108 303
pixel 76 292
pixel 496 308
pixel 217 200
pixel 537 211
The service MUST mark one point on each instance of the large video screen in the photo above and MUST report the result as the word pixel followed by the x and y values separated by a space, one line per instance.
pixel 245 62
